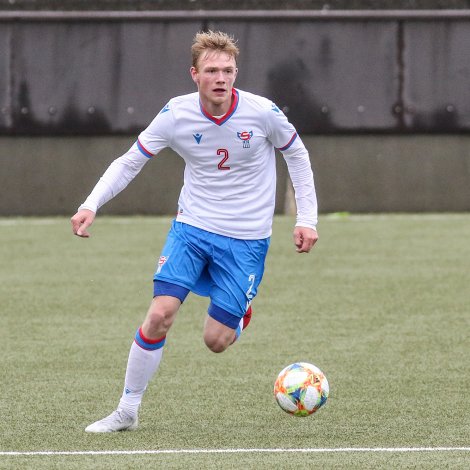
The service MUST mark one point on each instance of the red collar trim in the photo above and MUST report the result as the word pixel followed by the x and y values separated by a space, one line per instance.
pixel 228 114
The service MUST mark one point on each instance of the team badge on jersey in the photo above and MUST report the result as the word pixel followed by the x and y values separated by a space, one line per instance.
pixel 245 137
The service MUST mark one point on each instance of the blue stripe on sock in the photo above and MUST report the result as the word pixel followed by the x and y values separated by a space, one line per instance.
pixel 149 346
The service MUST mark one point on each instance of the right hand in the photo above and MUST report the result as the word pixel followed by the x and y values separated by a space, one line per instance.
pixel 81 221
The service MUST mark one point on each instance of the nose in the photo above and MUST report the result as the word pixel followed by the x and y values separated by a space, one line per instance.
pixel 220 76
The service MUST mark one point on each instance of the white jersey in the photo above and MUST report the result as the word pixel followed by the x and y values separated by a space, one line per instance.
pixel 230 173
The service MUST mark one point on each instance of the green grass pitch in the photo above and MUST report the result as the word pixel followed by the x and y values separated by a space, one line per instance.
pixel 381 305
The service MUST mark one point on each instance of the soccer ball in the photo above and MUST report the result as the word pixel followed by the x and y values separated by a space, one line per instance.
pixel 301 389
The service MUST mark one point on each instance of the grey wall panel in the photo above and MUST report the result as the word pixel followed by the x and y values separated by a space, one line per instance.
pixel 328 76
pixel 437 75
pixel 5 76
pixel 79 78
pixel 70 76
pixel 155 68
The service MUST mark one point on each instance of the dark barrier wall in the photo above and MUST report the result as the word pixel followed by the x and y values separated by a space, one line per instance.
pixel 109 72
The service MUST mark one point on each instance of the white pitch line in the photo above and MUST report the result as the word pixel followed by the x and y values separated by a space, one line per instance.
pixel 237 451
pixel 14 222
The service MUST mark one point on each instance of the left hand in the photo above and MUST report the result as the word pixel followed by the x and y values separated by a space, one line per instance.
pixel 81 221
pixel 304 239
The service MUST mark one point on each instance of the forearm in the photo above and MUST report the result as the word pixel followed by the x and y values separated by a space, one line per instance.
pixel 118 175
pixel 301 175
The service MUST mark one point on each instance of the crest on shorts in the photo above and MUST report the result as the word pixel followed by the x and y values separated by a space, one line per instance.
pixel 245 136
pixel 161 261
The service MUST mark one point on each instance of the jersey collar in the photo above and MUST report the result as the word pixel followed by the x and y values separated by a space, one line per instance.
pixel 227 115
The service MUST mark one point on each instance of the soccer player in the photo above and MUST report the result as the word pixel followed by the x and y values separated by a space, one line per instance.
pixel 218 242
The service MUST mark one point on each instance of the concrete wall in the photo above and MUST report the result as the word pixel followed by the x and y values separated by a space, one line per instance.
pixel 360 173
pixel 392 173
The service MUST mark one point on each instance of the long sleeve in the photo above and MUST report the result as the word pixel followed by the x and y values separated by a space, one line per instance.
pixel 301 174
pixel 118 175
pixel 284 137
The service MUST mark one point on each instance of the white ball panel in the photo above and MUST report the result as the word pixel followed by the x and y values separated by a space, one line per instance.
pixel 295 377
pixel 311 399
pixel 286 403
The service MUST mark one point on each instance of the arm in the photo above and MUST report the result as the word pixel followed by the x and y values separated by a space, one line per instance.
pixel 300 172
pixel 124 169
pixel 118 175
pixel 284 137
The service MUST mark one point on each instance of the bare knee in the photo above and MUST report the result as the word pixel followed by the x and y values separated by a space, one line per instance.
pixel 216 345
pixel 218 337
pixel 160 316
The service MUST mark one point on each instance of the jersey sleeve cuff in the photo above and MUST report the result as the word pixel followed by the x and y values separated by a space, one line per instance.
pixel 306 225
pixel 87 206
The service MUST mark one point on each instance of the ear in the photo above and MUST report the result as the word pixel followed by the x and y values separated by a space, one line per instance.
pixel 194 75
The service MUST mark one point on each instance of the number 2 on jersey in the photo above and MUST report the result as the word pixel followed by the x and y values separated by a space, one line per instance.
pixel 222 165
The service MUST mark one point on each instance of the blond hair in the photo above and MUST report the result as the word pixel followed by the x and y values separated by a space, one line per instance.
pixel 213 40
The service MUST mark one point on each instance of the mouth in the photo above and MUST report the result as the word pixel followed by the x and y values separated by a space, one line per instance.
pixel 219 90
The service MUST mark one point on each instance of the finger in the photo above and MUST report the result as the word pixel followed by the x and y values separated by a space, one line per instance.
pixel 79 227
pixel 82 230
pixel 298 240
pixel 304 248
pixel 307 244
pixel 82 233
pixel 75 225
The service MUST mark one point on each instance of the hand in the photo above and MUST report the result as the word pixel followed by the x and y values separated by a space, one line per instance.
pixel 304 239
pixel 81 221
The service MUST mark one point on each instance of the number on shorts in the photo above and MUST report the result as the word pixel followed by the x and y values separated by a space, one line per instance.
pixel 249 295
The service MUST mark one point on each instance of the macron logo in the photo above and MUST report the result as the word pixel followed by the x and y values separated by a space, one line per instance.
pixel 197 138
pixel 165 109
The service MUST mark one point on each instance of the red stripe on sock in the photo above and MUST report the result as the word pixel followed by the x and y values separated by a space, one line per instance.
pixel 247 317
pixel 148 340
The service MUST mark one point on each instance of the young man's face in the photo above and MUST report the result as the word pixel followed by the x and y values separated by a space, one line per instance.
pixel 215 75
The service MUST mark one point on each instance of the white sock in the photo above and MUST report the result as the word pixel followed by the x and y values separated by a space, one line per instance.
pixel 141 367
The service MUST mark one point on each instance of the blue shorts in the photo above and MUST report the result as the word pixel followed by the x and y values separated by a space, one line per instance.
pixel 228 270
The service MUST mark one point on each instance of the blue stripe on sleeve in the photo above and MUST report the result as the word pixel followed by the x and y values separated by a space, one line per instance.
pixel 143 149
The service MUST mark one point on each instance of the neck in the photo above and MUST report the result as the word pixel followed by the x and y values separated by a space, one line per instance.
pixel 215 109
